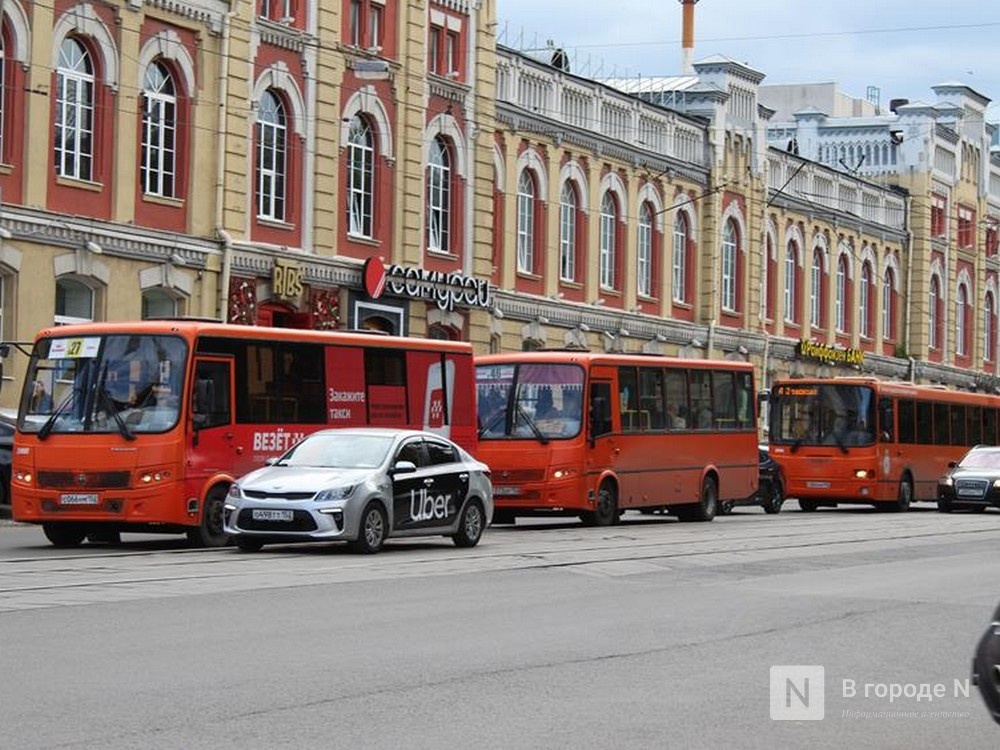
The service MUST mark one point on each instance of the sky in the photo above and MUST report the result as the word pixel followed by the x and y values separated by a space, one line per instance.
pixel 901 47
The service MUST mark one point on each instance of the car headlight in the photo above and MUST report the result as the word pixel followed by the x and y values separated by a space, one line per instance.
pixel 996 484
pixel 334 493
pixel 234 490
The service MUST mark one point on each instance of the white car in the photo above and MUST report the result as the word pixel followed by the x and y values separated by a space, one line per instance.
pixel 362 486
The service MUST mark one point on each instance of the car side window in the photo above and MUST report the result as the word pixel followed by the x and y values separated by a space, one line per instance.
pixel 412 451
pixel 440 453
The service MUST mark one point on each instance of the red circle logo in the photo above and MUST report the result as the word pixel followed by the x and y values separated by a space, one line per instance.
pixel 373 276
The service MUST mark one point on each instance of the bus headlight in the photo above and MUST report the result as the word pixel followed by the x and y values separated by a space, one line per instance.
pixel 864 474
pixel 563 472
pixel 23 476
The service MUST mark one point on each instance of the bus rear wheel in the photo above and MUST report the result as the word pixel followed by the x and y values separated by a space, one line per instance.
pixel 706 508
pixel 807 506
pixel 210 533
pixel 65 534
pixel 606 512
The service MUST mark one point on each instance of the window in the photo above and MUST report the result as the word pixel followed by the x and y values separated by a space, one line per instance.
pixel 961 327
pixel 680 257
pixel 526 223
pixel 889 305
pixel 791 261
pixel 934 314
pixel 360 177
pixel 158 304
pixel 840 303
pixel 434 49
pixel 939 212
pixel 992 236
pixel 906 414
pixel 271 153
pixel 770 271
pixel 966 227
pixel 159 123
pixel 609 218
pixel 375 26
pixel 440 453
pixel 865 300
pixel 451 53
pixel 276 10
pixel 645 251
pixel 356 13
pixel 74 112
pixel 74 302
pixel 816 290
pixel 729 267
pixel 988 325
pixel 439 197
pixel 568 206
pixel 3 91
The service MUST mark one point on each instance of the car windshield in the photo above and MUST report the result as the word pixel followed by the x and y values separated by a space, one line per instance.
pixel 822 414
pixel 128 384
pixel 538 401
pixel 981 460
pixel 339 451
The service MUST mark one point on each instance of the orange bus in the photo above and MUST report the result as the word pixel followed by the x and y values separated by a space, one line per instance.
pixel 863 440
pixel 576 433
pixel 142 426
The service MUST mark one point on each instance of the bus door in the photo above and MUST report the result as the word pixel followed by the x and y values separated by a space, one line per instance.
pixel 604 451
pixel 215 445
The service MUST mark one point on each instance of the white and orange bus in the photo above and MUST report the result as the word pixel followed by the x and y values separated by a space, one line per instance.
pixel 143 426
pixel 863 440
pixel 576 433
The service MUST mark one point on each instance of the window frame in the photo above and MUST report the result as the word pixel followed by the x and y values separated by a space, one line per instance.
pixel 527 192
pixel 608 248
pixel 439 177
pixel 360 178
pixel 569 206
pixel 271 142
pixel 160 181
pixel 75 118
pixel 644 251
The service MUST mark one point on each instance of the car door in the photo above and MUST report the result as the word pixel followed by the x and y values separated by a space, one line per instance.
pixel 410 491
pixel 451 479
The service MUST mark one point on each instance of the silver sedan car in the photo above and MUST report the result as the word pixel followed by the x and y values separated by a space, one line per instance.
pixel 362 486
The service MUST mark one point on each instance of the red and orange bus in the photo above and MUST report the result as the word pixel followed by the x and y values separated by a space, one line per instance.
pixel 142 426
pixel 863 440
pixel 591 434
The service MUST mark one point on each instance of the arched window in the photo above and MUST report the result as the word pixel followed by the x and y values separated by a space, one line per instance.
pixel 961 324
pixel 816 290
pixel 840 302
pixel 934 312
pixel 271 157
pixel 439 197
pixel 989 345
pixel 791 281
pixel 608 256
pixel 568 207
pixel 360 177
pixel 889 305
pixel 644 252
pixel 526 223
pixel 729 250
pixel 74 302
pixel 865 299
pixel 441 332
pixel 159 132
pixel 158 304
pixel 74 111
pixel 680 261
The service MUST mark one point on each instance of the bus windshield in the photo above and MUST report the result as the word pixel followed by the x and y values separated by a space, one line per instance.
pixel 127 384
pixel 539 401
pixel 822 414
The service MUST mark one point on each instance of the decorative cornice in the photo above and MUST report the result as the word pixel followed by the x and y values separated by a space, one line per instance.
pixel 209 12
pixel 447 89
pixel 284 37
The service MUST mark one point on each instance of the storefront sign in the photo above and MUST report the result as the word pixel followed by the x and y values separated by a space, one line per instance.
pixel 447 290
pixel 830 354
pixel 286 280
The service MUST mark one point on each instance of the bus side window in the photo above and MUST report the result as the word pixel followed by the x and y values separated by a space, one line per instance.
pixel 210 403
pixel 886 420
pixel 600 409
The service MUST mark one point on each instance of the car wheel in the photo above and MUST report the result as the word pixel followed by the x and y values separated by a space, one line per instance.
pixel 726 507
pixel 606 512
pixel 807 506
pixel 104 536
pixel 706 509
pixel 249 545
pixel 210 533
pixel 504 517
pixel 944 506
pixel 775 498
pixel 470 525
pixel 904 496
pixel 65 534
pixel 978 508
pixel 372 531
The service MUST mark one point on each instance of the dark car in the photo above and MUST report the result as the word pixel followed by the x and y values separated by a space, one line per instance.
pixel 6 449
pixel 973 482
pixel 986 666
pixel 770 491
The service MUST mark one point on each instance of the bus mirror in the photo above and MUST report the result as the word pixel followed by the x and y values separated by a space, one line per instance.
pixel 763 397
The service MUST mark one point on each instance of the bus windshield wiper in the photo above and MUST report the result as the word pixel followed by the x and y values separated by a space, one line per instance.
pixel 493 422
pixel 795 444
pixel 531 423
pixel 112 408
pixel 840 443
pixel 46 429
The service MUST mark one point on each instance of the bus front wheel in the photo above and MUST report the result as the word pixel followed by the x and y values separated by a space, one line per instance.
pixel 606 512
pixel 904 496
pixel 65 534
pixel 209 533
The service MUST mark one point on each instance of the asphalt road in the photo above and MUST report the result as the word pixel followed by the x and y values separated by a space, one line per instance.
pixel 651 634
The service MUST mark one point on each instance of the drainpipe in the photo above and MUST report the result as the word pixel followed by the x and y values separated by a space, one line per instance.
pixel 711 339
pixel 220 179
pixel 308 197
pixel 472 132
pixel 913 369
pixel 907 241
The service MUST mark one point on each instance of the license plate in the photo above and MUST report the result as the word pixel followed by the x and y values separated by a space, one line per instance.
pixel 818 485
pixel 272 515
pixel 87 498
pixel 970 492
pixel 506 491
